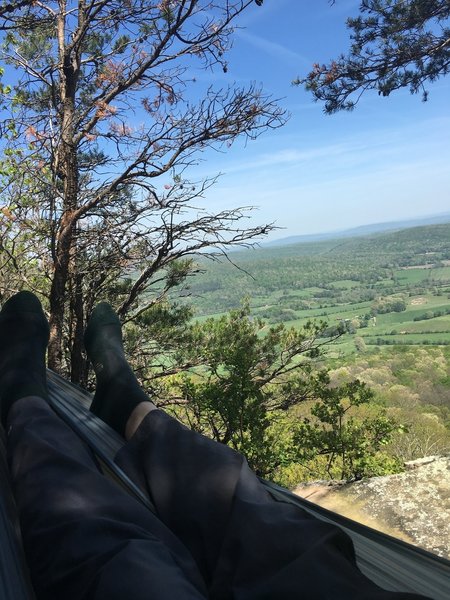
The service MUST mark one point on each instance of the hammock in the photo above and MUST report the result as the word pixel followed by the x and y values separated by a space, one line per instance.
pixel 391 563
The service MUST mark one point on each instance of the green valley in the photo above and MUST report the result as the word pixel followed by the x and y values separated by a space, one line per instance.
pixel 386 296
pixel 343 281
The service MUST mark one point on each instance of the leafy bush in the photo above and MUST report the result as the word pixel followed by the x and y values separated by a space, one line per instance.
pixel 350 444
pixel 388 304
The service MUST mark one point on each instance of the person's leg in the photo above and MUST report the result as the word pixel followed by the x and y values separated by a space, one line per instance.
pixel 84 537
pixel 247 545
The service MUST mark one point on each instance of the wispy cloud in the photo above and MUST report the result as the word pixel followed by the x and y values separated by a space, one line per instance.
pixel 283 157
pixel 383 173
pixel 273 48
pixel 286 156
pixel 342 199
pixel 314 158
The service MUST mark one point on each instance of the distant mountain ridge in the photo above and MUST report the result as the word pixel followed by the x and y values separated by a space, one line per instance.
pixel 360 231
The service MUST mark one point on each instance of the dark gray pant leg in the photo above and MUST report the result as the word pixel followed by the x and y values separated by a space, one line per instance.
pixel 247 545
pixel 84 537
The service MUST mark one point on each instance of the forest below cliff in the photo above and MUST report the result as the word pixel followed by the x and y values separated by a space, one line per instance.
pixel 382 303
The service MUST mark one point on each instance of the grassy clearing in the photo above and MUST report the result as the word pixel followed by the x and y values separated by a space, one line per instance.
pixel 413 338
pixel 429 300
pixel 334 311
pixel 410 313
pixel 397 328
pixel 417 275
pixel 345 284
pixel 437 325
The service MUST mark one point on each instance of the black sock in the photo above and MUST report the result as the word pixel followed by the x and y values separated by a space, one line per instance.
pixel 24 335
pixel 118 392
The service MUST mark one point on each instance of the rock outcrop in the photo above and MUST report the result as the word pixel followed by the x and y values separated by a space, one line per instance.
pixel 414 505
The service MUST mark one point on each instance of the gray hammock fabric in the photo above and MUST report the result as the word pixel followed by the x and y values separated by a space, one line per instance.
pixel 389 562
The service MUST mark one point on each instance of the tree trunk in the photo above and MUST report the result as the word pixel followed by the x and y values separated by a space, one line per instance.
pixel 66 168
pixel 78 364
pixel 65 242
pixel 56 320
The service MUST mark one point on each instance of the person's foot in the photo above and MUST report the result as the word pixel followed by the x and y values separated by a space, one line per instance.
pixel 118 391
pixel 24 334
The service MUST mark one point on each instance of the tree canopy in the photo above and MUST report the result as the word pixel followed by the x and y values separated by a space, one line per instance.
pixel 101 119
pixel 395 44
pixel 251 380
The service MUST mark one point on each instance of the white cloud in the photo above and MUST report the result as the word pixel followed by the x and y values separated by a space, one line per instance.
pixel 273 48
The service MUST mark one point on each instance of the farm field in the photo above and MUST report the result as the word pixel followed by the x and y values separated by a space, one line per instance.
pixel 343 282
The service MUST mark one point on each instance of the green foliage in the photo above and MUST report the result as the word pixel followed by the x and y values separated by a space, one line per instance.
pixel 350 443
pixel 388 304
pixel 249 385
pixel 424 434
pixel 360 345
pixel 250 376
pixel 402 378
pixel 432 314
pixel 301 282
pixel 318 469
pixel 155 342
pixel 106 196
pixel 413 385
pixel 395 44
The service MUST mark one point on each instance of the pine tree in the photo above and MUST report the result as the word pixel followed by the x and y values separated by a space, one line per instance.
pixel 395 44
pixel 101 118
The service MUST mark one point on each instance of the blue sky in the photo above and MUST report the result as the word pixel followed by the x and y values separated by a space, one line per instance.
pixel 386 160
